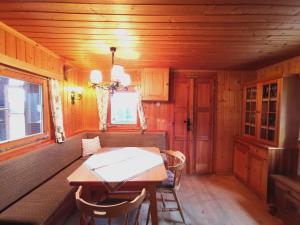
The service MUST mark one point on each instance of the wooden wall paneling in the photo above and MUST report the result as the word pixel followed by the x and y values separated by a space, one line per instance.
pixel 278 70
pixel 29 53
pixel 73 113
pixel 228 117
pixel 21 49
pixel 2 41
pixel 20 52
pixel 44 60
pixel 10 45
pixel 37 57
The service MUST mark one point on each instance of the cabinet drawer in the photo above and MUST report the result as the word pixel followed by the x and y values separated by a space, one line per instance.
pixel 261 153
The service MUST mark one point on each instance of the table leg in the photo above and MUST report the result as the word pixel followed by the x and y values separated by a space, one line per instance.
pixel 153 204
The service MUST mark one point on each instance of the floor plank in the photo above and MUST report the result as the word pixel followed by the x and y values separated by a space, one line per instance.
pixel 211 200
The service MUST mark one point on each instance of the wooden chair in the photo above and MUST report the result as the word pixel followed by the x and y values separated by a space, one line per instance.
pixel 175 164
pixel 95 214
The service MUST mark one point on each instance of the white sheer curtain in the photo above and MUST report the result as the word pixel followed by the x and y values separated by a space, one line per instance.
pixel 102 102
pixel 140 108
pixel 56 110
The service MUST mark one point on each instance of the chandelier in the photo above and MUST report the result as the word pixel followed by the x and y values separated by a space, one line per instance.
pixel 119 79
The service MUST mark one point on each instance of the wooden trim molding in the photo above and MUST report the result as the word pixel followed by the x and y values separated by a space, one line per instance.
pixel 12 145
pixel 15 63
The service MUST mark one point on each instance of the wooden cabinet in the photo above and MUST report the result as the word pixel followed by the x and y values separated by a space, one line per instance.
pixel 253 164
pixel 286 199
pixel 257 174
pixel 265 108
pixel 155 84
pixel 240 166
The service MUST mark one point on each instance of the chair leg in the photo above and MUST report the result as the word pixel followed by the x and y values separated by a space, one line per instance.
pixel 178 204
pixel 148 215
pixel 163 201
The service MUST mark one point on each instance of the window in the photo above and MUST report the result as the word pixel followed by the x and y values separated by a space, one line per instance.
pixel 123 108
pixel 21 111
pixel 24 112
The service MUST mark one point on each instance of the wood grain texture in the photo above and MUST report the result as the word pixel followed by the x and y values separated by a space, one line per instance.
pixel 211 200
pixel 159 116
pixel 228 117
pixel 20 52
pixel 183 35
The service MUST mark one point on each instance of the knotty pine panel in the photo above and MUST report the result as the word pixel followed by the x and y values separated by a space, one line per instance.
pixel 23 53
pixel 228 117
pixel 159 116
pixel 10 45
pixel 72 113
pixel 281 69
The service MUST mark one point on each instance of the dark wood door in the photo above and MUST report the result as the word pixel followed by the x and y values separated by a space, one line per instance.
pixel 192 122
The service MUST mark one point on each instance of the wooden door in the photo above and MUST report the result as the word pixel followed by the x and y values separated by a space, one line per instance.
pixel 193 104
pixel 202 125
pixel 240 167
pixel 180 115
pixel 257 174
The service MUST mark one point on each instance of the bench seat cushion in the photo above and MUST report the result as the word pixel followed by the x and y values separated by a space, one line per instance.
pixel 42 203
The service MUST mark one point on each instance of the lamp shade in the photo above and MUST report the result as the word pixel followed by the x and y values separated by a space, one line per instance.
pixel 125 80
pixel 117 72
pixel 96 77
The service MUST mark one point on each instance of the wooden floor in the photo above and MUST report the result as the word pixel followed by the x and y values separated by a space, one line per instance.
pixel 212 200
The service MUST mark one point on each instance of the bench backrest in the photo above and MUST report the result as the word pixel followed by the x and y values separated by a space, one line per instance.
pixel 131 139
pixel 20 175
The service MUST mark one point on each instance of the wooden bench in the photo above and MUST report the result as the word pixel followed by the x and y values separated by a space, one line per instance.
pixel 34 189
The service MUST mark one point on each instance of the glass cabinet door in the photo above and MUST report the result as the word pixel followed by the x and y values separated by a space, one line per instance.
pixel 250 111
pixel 268 111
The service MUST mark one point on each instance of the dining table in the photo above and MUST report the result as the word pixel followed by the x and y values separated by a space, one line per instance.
pixel 114 169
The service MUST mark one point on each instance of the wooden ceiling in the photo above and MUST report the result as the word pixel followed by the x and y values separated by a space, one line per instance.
pixel 181 34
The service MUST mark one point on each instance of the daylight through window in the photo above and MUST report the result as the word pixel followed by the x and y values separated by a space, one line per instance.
pixel 20 109
pixel 124 108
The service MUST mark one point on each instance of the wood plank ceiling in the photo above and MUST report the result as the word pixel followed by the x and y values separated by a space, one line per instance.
pixel 181 34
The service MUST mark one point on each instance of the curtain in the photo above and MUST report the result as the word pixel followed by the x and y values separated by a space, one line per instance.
pixel 56 109
pixel 140 108
pixel 102 102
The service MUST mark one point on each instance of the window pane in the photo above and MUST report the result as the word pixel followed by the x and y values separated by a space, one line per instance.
pixel 20 109
pixel 124 108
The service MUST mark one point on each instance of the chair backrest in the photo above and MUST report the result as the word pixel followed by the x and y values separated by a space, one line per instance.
pixel 110 211
pixel 176 163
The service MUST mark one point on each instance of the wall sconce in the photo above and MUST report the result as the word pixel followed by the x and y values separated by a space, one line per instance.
pixel 76 93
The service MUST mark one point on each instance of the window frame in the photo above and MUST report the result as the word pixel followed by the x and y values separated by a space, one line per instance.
pixel 122 126
pixel 11 145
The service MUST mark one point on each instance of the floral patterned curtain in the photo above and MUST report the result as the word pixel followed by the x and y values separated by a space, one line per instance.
pixel 102 101
pixel 141 110
pixel 56 109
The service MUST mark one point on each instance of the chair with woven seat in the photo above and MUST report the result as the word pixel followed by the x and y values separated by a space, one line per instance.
pixel 110 211
pixel 175 162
